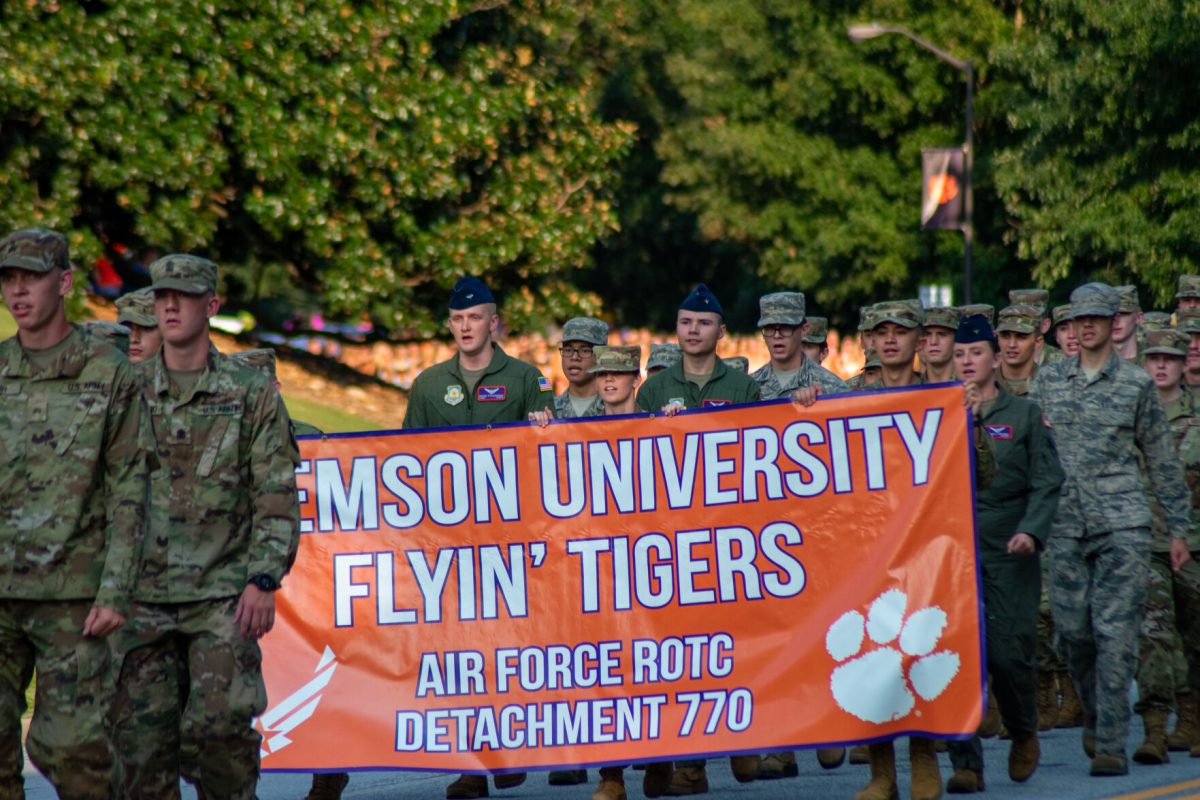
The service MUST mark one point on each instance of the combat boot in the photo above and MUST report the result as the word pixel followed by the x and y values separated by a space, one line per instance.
pixel 744 768
pixel 688 780
pixel 1047 700
pixel 830 757
pixel 965 781
pixel 883 774
pixel 926 775
pixel 1070 711
pixel 328 786
pixel 1187 723
pixel 778 765
pixel 657 779
pixel 1107 765
pixel 860 754
pixel 990 725
pixel 467 787
pixel 566 777
pixel 508 780
pixel 1153 749
pixel 612 784
pixel 1023 756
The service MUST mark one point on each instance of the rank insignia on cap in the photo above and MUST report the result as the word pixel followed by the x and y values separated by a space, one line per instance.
pixel 454 395
pixel 1001 432
pixel 491 394
pixel 544 384
pixel 714 403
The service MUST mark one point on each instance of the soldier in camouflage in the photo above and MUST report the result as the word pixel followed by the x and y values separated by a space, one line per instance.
pixel 739 363
pixel 222 532
pixel 1018 331
pixel 1170 636
pixel 580 337
pixel 1126 323
pixel 815 342
pixel 1187 294
pixel 983 309
pixel 72 495
pixel 1039 299
pixel 870 371
pixel 136 312
pixel 1064 334
pixel 1187 320
pixel 662 356
pixel 1106 417
pixel 937 346
pixel 783 326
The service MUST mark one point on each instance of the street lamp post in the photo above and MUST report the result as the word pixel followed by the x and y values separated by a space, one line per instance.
pixel 860 33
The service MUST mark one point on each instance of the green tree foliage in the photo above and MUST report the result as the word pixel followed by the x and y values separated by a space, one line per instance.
pixel 1103 177
pixel 371 152
pixel 775 153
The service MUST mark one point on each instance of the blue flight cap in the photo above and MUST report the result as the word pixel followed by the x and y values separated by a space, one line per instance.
pixel 470 291
pixel 974 328
pixel 701 299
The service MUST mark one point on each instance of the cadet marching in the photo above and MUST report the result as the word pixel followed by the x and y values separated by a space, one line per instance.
pixel 150 500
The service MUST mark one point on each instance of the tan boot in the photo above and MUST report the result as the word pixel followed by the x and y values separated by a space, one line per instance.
pixel 1070 710
pixel 508 780
pixel 990 725
pixel 965 781
pixel 1023 756
pixel 1153 749
pixel 829 757
pixel 656 779
pixel 1047 700
pixel 883 774
pixel 688 780
pixel 926 776
pixel 778 765
pixel 744 768
pixel 1187 723
pixel 328 786
pixel 612 784
pixel 860 754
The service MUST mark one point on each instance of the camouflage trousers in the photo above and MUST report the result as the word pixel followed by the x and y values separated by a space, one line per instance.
pixel 67 738
pixel 1048 658
pixel 1169 642
pixel 188 692
pixel 1097 588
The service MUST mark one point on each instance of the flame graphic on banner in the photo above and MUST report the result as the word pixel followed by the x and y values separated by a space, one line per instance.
pixel 296 708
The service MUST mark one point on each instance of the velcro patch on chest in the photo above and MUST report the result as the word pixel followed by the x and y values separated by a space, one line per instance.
pixel 217 409
pixel 491 394
pixel 1002 432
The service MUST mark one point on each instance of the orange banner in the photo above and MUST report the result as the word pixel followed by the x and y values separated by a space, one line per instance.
pixel 743 579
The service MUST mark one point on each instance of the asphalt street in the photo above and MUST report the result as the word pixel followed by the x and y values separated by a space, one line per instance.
pixel 1063 774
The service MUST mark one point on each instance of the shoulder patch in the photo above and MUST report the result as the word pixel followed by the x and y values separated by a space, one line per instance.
pixel 544 384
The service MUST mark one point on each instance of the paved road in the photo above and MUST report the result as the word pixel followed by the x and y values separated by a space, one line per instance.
pixel 1061 776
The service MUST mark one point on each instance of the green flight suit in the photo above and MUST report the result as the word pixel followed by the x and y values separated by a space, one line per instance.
pixel 506 392
pixel 725 387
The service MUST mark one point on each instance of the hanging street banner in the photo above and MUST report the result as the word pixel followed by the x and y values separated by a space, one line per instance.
pixel 942 184
pixel 606 591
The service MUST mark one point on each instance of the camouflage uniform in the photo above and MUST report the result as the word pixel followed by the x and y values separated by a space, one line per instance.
pixel 787 308
pixel 109 333
pixel 1131 305
pixel 1099 545
pixel 72 497
pixel 137 308
pixel 860 381
pixel 222 511
pixel 984 309
pixel 663 356
pixel 589 331
pixel 1170 635
pixel 1020 319
pixel 818 330
pixel 1187 286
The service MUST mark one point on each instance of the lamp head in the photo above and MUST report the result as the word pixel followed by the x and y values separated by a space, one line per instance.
pixel 860 33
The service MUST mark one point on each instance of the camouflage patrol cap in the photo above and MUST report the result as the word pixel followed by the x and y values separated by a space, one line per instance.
pixel 184 273
pixel 1038 298
pixel 906 313
pixel 35 249
pixel 871 358
pixel 818 331
pixel 261 359
pixel 1129 300
pixel 866 318
pixel 740 363
pixel 664 355
pixel 984 309
pixel 137 308
pixel 1167 342
pixel 114 334
pixel 1156 321
pixel 942 317
pixel 1187 286
pixel 1188 320
pixel 1060 314
pixel 618 358
pixel 781 308
pixel 585 329
pixel 1019 318
pixel 1095 300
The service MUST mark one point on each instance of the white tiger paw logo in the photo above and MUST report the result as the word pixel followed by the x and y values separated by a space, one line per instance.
pixel 872 685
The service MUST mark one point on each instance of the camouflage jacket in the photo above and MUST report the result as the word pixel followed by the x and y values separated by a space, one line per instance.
pixel 809 374
pixel 1014 386
pixel 223 497
pixel 72 474
pixel 1185 426
pixel 1101 426
pixel 564 410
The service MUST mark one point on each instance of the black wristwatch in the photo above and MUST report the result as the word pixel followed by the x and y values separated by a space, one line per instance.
pixel 264 581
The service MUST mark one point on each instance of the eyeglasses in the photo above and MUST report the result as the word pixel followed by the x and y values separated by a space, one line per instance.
pixel 775 331
pixel 576 352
